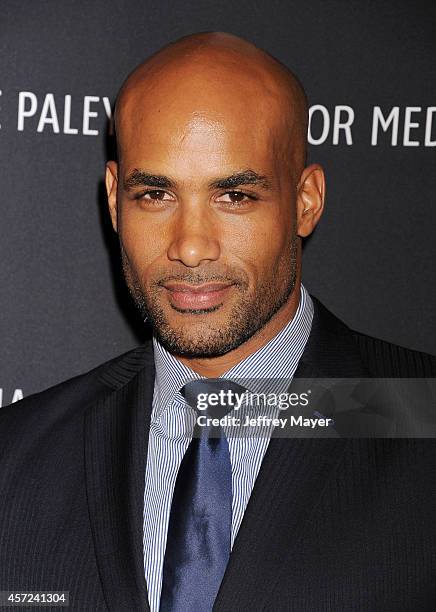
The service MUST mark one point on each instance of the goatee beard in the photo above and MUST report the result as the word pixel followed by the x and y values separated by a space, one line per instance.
pixel 249 314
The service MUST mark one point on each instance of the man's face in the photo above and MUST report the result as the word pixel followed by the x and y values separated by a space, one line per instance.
pixel 207 222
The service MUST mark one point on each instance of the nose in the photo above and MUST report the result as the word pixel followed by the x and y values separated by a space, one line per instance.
pixel 195 237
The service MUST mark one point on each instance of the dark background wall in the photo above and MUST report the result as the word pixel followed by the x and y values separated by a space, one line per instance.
pixel 62 302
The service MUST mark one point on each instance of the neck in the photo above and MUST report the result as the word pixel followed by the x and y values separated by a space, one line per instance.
pixel 213 367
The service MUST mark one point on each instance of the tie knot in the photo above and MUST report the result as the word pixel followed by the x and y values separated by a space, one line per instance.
pixel 215 397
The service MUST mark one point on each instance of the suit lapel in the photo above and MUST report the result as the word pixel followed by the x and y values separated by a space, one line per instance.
pixel 116 438
pixel 291 481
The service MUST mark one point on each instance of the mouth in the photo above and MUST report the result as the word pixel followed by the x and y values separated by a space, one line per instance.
pixel 184 296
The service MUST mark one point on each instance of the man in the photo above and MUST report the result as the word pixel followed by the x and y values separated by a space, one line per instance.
pixel 109 491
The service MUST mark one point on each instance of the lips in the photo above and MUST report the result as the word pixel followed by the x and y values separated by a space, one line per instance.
pixel 197 297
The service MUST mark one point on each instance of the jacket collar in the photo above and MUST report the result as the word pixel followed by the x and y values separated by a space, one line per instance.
pixel 331 351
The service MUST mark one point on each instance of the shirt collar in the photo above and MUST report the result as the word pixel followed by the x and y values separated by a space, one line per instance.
pixel 278 359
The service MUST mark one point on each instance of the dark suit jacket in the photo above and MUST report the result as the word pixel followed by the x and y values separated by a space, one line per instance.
pixel 332 524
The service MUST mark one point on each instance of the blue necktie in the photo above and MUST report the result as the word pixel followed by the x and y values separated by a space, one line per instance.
pixel 199 530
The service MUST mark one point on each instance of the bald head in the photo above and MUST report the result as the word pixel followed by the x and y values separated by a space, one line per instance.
pixel 219 78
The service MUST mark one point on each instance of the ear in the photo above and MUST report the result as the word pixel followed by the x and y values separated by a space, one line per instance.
pixel 111 181
pixel 310 199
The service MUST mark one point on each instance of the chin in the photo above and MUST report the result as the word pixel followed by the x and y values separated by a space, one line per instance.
pixel 195 341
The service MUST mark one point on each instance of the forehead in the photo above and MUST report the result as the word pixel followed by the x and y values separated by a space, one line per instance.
pixel 203 127
pixel 201 146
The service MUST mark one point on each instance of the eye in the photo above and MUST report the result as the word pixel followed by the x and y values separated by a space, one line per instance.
pixel 155 195
pixel 235 198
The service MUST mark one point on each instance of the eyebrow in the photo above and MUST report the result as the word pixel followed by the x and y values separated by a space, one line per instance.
pixel 140 178
pixel 247 177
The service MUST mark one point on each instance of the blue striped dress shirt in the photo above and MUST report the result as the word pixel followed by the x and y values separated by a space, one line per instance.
pixel 172 424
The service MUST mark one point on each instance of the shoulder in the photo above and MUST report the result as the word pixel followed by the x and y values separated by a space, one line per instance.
pixel 385 359
pixel 337 348
pixel 70 398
